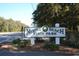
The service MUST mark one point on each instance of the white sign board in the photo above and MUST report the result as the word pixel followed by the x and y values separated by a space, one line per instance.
pixel 45 32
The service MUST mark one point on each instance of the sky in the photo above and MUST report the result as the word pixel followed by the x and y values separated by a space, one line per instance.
pixel 18 11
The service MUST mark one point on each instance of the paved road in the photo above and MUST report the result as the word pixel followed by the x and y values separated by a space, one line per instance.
pixel 32 53
pixel 9 37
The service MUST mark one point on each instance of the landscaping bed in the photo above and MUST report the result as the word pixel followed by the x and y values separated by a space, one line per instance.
pixel 24 46
pixel 38 47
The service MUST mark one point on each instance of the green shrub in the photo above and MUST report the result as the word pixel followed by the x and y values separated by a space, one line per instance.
pixel 72 40
pixel 47 46
pixel 23 43
pixel 73 44
pixel 20 43
pixel 51 46
pixel 54 47
pixel 17 41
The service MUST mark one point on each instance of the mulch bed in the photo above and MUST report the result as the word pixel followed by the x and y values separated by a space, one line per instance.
pixel 39 47
pixel 68 50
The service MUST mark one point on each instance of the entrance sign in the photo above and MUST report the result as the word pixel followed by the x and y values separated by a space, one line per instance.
pixel 45 32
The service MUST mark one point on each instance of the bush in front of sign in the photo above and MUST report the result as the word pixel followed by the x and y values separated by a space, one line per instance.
pixel 16 42
pixel 20 43
pixel 51 46
pixel 54 47
pixel 47 46
pixel 24 43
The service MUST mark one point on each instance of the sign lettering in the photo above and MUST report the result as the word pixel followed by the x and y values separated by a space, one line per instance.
pixel 45 32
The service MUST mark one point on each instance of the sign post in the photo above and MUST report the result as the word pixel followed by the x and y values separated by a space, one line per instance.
pixel 57 39
pixel 32 41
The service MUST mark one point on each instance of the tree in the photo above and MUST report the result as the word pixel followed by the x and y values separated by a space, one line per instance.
pixel 51 13
pixel 9 25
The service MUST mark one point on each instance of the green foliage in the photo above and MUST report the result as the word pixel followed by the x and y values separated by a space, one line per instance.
pixel 73 41
pixel 51 46
pixel 20 43
pixel 54 47
pixel 9 25
pixel 47 46
pixel 70 43
pixel 17 41
pixel 51 13
pixel 23 43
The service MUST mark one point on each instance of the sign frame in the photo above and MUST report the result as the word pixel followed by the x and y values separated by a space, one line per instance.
pixel 45 36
